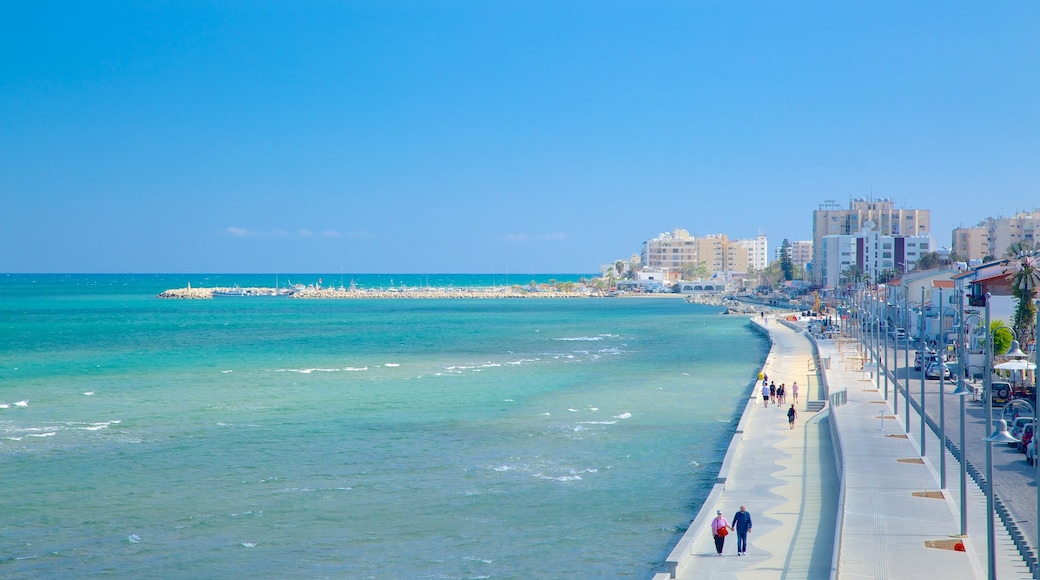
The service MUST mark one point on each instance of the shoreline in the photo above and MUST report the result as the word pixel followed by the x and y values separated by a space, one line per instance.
pixel 728 302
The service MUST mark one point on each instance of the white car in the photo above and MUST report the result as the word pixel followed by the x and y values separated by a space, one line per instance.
pixel 935 368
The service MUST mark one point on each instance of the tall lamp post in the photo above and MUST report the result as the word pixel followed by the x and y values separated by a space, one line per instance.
pixel 906 359
pixel 1036 392
pixel 884 339
pixel 995 437
pixel 923 352
pixel 941 351
pixel 961 392
pixel 895 361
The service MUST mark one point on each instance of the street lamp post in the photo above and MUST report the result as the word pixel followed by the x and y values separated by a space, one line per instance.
pixel 906 360
pixel 1036 392
pixel 922 352
pixel 895 363
pixel 884 340
pixel 961 392
pixel 988 382
pixel 941 350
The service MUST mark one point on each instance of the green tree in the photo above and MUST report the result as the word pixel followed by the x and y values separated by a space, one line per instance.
pixel 786 266
pixel 885 276
pixel 1023 271
pixel 1002 336
pixel 927 261
pixel 851 276
pixel 694 272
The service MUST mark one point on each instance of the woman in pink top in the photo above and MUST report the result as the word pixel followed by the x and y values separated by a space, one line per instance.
pixel 717 524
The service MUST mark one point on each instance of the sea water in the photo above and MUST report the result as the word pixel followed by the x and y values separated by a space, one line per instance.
pixel 274 437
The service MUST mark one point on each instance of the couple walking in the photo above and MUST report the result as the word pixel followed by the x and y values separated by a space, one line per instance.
pixel 720 528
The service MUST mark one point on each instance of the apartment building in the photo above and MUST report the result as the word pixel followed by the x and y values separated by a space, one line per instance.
pixel 676 250
pixel 971 243
pixel 869 250
pixel 833 220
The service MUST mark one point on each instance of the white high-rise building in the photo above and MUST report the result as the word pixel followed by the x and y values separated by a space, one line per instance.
pixel 871 252
pixel 758 251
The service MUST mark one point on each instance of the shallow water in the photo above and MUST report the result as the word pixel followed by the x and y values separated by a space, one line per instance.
pixel 355 438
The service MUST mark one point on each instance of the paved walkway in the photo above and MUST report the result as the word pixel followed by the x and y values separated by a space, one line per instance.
pixel 894 509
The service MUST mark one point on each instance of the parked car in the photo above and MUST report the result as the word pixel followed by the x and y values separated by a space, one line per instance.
pixel 935 369
pixel 1018 426
pixel 1001 392
pixel 1027 436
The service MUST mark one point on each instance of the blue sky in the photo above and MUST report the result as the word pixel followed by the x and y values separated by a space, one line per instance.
pixel 493 136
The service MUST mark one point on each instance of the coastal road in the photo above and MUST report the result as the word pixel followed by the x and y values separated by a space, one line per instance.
pixel 1014 479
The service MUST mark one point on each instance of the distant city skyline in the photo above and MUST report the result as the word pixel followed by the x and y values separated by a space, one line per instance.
pixel 493 137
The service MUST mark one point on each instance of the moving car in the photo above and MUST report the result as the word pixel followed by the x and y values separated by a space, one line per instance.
pixel 936 368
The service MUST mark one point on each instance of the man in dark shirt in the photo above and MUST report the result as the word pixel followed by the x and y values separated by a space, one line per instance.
pixel 742 523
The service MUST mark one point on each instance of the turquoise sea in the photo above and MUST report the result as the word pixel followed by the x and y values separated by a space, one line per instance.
pixel 280 438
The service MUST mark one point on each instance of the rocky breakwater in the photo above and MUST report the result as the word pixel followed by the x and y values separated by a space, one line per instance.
pixel 726 301
pixel 188 293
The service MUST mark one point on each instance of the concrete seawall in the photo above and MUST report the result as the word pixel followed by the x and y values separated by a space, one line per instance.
pixel 680 556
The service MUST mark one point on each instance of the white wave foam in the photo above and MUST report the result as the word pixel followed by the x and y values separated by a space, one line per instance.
pixel 226 372
pixel 594 408
pixel 508 400
pixel 573 410
pixel 580 339
pixel 475 559
pixel 4 406
pixel 248 544
pixel 560 478
pixel 133 538
pixel 48 434
pixel 23 403
pixel 391 365
pixel 321 370
pixel 623 416
pixel 599 422
pixel 88 394
pixel 13 438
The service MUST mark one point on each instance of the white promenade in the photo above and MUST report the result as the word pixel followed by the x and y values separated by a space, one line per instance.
pixel 896 521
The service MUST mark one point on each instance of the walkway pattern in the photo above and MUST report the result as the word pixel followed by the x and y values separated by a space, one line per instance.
pixel 897 523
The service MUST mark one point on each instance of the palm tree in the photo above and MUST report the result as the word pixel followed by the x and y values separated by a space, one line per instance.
pixel 1023 271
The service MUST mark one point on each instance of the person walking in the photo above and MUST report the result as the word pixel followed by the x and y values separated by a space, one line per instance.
pixel 772 393
pixel 742 525
pixel 791 414
pixel 719 528
pixel 794 392
pixel 781 394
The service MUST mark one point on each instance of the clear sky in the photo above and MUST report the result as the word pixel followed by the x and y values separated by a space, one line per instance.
pixel 493 136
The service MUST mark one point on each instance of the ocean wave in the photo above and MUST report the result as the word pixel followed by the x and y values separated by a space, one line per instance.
pixel 560 478
pixel 248 544
pixel 580 339
pixel 48 434
pixel 623 416
pixel 321 370
pixel 391 365
pixel 475 559
pixel 599 422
